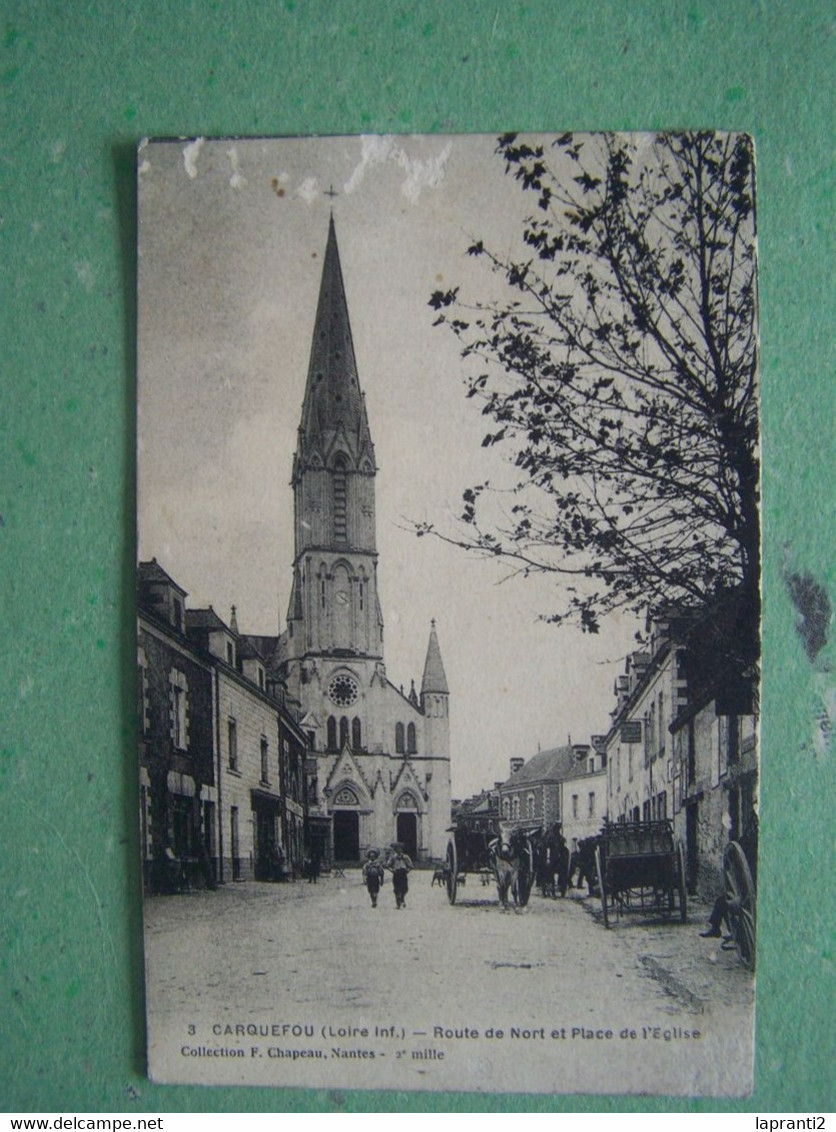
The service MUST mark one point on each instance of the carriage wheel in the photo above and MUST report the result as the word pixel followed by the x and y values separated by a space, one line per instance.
pixel 525 878
pixel 740 903
pixel 600 871
pixel 452 870
pixel 683 898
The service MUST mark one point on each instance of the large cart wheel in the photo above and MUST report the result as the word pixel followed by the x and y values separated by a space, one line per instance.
pixel 452 870
pixel 599 869
pixel 740 903
pixel 525 877
pixel 683 897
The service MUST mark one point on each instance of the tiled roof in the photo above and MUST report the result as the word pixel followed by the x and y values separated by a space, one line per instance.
pixel 247 650
pixel 550 766
pixel 204 619
pixel 263 647
pixel 153 572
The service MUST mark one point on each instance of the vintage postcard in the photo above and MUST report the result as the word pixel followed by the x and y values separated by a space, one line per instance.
pixel 448 611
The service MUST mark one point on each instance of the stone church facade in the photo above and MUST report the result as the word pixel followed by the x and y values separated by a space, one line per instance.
pixel 379 759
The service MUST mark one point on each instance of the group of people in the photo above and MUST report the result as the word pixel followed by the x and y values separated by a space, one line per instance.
pixel 374 871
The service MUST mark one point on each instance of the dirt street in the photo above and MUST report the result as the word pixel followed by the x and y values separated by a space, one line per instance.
pixel 415 998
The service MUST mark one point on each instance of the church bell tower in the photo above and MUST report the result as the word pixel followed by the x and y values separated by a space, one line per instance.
pixel 334 610
pixel 381 757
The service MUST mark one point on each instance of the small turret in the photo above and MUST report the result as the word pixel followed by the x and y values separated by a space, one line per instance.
pixel 435 680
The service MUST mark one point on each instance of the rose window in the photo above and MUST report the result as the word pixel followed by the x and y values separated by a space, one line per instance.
pixel 343 690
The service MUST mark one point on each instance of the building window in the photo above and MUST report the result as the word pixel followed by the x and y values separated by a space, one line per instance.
pixel 646 811
pixel 692 754
pixel 265 766
pixel 506 809
pixel 662 805
pixel 661 737
pixel 340 528
pixel 529 806
pixel 592 803
pixel 230 654
pixel 261 678
pixel 235 843
pixel 343 731
pixel 399 744
pixel 332 733
pixel 733 740
pixel 515 808
pixel 356 734
pixel 362 597
pixel 650 732
pixel 232 743
pixel 178 615
pixel 142 694
pixel 574 805
pixel 178 688
pixel 411 745
pixel 284 765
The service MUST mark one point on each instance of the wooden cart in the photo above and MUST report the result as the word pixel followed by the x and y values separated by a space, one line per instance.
pixel 640 868
pixel 740 902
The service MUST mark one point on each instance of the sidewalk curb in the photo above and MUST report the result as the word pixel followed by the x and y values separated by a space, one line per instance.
pixel 672 984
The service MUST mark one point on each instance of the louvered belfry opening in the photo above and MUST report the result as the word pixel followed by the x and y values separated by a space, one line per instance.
pixel 340 508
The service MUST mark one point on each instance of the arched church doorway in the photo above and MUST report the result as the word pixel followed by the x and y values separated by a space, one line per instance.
pixel 407 833
pixel 346 835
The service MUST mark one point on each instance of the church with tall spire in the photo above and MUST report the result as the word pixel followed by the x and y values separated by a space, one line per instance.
pixel 382 756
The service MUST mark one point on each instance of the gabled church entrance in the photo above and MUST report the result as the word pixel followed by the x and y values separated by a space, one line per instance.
pixel 346 835
pixel 407 829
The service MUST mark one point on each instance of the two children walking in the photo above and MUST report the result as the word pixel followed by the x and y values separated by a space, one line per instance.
pixel 398 863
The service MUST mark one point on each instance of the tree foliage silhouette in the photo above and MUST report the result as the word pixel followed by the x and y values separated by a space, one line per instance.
pixel 618 366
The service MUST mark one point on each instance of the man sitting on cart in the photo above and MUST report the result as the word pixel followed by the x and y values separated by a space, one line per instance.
pixel 749 844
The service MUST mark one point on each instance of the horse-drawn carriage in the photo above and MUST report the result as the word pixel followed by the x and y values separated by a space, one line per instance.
pixel 508 857
pixel 640 868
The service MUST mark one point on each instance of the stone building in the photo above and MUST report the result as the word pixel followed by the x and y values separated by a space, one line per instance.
pixel 479 814
pixel 584 793
pixel 682 744
pixel 175 714
pixel 222 784
pixel 649 694
pixel 530 798
pixel 715 754
pixel 379 759
pixel 564 785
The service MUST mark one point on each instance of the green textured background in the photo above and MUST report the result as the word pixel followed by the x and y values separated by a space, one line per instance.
pixel 81 83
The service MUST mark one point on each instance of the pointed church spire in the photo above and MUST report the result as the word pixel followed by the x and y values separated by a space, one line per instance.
pixel 233 620
pixel 333 411
pixel 435 679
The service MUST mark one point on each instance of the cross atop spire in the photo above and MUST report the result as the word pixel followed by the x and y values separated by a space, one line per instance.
pixel 330 193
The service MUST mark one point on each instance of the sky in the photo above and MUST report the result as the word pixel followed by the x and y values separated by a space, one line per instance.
pixel 231 242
